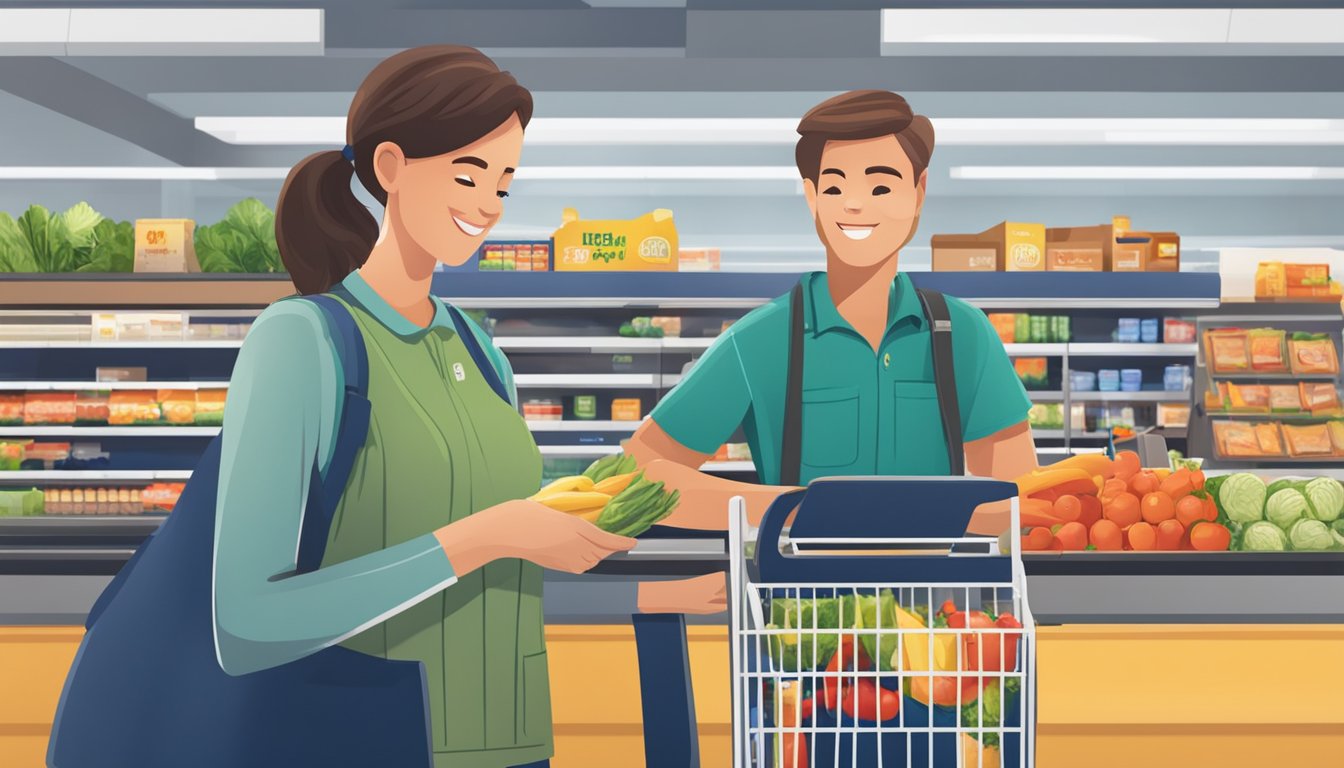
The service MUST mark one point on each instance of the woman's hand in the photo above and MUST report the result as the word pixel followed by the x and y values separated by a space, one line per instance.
pixel 701 595
pixel 529 531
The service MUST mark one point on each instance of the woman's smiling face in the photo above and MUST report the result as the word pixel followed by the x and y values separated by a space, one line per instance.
pixel 866 201
pixel 448 204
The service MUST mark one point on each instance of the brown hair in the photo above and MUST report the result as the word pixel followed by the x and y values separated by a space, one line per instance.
pixel 862 115
pixel 429 101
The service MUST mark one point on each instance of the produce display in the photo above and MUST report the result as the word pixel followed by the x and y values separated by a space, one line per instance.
pixel 78 240
pixel 243 241
pixel 612 495
pixel 1091 502
pixel 1283 515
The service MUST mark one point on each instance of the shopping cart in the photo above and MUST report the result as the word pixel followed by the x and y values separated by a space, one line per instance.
pixel 846 651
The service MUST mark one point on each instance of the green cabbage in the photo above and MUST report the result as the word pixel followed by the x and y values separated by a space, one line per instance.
pixel 1264 536
pixel 1242 497
pixel 1286 507
pixel 79 222
pixel 808 649
pixel 1337 531
pixel 1310 535
pixel 243 241
pixel 1327 499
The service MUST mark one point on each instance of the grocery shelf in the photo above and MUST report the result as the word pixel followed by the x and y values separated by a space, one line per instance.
pixel 1047 434
pixel 598 343
pixel 576 425
pixel 1067 451
pixel 579 451
pixel 142 291
pixel 145 431
pixel 1252 376
pixel 1059 434
pixel 1146 396
pixel 146 344
pixel 1045 396
pixel 74 386
pixel 89 475
pixel 1132 350
pixel 1035 350
pixel 588 380
pixel 1268 416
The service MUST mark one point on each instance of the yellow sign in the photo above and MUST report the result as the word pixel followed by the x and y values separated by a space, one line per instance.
pixel 645 244
pixel 165 245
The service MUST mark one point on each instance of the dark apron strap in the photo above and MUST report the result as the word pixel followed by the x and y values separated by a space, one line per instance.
pixel 944 376
pixel 791 446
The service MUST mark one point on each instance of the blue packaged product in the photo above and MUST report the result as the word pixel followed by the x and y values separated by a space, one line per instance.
pixel 1131 380
pixel 1082 381
pixel 1108 380
pixel 1129 331
pixel 1174 378
pixel 1148 330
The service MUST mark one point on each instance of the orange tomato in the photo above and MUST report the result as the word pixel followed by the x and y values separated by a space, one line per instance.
pixel 1112 488
pixel 1091 510
pixel 1158 507
pixel 1073 536
pixel 1141 537
pixel 1210 537
pixel 1105 536
pixel 1037 540
pixel 1197 480
pixel 1127 464
pixel 1143 484
pixel 1123 510
pixel 1169 533
pixel 1177 485
pixel 1190 510
pixel 1068 508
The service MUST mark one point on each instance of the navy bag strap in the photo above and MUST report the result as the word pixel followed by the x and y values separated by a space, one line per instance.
pixel 944 376
pixel 791 446
pixel 477 353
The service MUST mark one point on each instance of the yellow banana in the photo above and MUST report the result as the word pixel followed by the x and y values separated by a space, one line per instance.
pixel 614 485
pixel 574 501
pixel 577 483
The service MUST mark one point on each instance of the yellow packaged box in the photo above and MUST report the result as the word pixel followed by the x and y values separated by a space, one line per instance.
pixel 1021 244
pixel 165 245
pixel 645 244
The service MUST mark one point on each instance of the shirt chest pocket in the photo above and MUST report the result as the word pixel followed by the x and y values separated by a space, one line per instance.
pixel 920 446
pixel 830 427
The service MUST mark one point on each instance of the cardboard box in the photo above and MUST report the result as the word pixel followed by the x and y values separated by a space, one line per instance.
pixel 1020 245
pixel 964 253
pixel 1130 253
pixel 645 244
pixel 165 245
pixel 1166 252
pixel 1076 256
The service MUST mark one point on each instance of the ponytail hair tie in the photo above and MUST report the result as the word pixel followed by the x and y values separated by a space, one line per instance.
pixel 348 152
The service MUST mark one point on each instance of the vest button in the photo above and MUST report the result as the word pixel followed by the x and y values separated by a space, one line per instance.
pixel 886 360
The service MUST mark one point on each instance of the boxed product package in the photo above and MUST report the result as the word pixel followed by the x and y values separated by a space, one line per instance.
pixel 647 244
pixel 1269 438
pixel 91 407
pixel 210 407
pixel 1313 353
pixel 1227 350
pixel 1020 245
pixel 1033 371
pixel 1005 325
pixel 121 374
pixel 21 503
pixel 161 497
pixel 1164 253
pixel 1075 249
pixel 1234 438
pixel 964 253
pixel 137 407
pixel 1131 253
pixel 1173 414
pixel 1308 439
pixel 1285 398
pixel 1268 354
pixel 626 409
pixel 11 409
pixel 699 259
pixel 165 245
pixel 1175 331
pixel 1248 398
pixel 1321 398
pixel 669 325
pixel 1271 280
pixel 49 408
pixel 178 405
pixel 1307 280
pixel 47 453
pixel 1337 437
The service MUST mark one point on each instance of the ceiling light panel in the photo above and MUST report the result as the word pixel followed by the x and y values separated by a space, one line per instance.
pixel 1154 172
pixel 196 32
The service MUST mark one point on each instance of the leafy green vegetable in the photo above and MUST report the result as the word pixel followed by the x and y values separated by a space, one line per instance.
pixel 982 717
pixel 1327 499
pixel 808 649
pixel 16 254
pixel 1337 532
pixel 878 612
pixel 78 240
pixel 1286 507
pixel 79 222
pixel 49 239
pixel 112 248
pixel 1264 536
pixel 243 241
pixel 1242 496
pixel 1310 535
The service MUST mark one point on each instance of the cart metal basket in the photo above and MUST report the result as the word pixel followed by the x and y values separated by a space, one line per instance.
pixel 846 651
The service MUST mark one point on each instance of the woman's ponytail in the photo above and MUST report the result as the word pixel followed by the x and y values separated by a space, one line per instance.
pixel 323 231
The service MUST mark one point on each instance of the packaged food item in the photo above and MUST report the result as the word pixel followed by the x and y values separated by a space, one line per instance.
pixel 1234 438
pixel 541 257
pixel 1060 330
pixel 178 405
pixel 49 453
pixel 1267 350
pixel 1248 399
pixel 133 407
pixel 1286 398
pixel 1005 325
pixel 1128 330
pixel 49 408
pixel 964 253
pixel 121 374
pixel 1271 280
pixel 1176 331
pixel 1176 378
pixel 1337 437
pixel 1081 256
pixel 1082 381
pixel 1308 440
pixel 104 327
pixel 1148 330
pixel 11 409
pixel 699 260
pixel 585 407
pixel 1307 280
pixel 1313 353
pixel 165 245
pixel 1021 244
pixel 1228 351
pixel 626 409
pixel 1131 380
pixel 22 503
pixel 1216 398
pixel 1130 253
pixel 543 409
pixel 669 325
pixel 1164 255
pixel 210 407
pixel 647 244
pixel 1108 380
pixel 91 407
pixel 1269 439
pixel 1321 398
pixel 1033 371
pixel 1022 329
pixel 1173 415
pixel 161 497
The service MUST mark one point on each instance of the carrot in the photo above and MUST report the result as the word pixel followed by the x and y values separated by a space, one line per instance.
pixel 1033 482
pixel 1068 508
pixel 1197 480
pixel 1037 540
pixel 1178 485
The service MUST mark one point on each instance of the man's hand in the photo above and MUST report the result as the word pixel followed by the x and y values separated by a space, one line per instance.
pixel 701 595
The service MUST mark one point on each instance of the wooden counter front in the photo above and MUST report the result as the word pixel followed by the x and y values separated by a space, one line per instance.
pixel 1157 696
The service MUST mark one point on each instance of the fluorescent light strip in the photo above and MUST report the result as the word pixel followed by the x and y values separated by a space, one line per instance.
pixel 660 173
pixel 137 173
pixel 162 32
pixel 1158 173
pixel 563 131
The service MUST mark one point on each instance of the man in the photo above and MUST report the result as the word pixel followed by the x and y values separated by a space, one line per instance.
pixel 869 402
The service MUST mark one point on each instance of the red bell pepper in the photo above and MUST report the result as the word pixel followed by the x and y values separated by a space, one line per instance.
pixel 866 690
pixel 1010 639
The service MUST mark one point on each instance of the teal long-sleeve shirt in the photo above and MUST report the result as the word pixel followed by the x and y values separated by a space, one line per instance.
pixel 280 418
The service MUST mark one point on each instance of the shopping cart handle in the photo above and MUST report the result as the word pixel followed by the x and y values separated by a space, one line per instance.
pixel 879 508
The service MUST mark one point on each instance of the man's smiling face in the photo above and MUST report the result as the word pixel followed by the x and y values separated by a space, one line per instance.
pixel 866 201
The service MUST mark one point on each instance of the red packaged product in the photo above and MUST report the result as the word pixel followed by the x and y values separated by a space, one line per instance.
pixel 49 408
pixel 11 409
